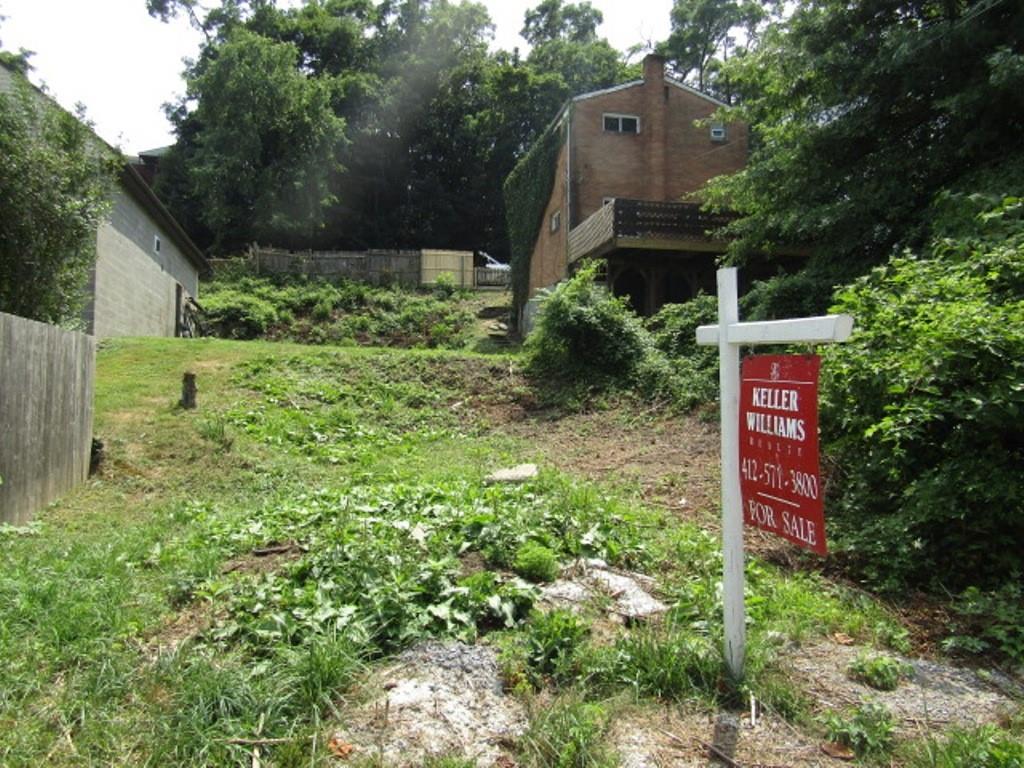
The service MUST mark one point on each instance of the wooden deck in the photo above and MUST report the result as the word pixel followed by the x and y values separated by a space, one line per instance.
pixel 648 225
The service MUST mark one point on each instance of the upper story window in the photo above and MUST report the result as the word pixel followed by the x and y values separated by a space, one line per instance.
pixel 718 132
pixel 556 221
pixel 156 243
pixel 621 123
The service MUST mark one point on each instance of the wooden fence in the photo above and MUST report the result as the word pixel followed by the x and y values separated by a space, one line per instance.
pixel 46 396
pixel 377 267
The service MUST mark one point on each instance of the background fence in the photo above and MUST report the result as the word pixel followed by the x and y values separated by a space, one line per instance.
pixel 410 269
pixel 46 394
pixel 375 267
pixel 458 265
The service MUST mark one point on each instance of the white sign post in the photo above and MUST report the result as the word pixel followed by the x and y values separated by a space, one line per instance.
pixel 730 334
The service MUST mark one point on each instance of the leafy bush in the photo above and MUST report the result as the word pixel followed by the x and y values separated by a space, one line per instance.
pixel 587 340
pixel 990 621
pixel 584 334
pixel 535 562
pixel 55 187
pixel 868 730
pixel 922 412
pixel 879 671
pixel 552 640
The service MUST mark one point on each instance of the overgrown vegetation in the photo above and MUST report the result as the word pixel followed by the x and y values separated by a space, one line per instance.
pixel 589 342
pixel 56 183
pixel 312 311
pixel 339 515
pixel 921 411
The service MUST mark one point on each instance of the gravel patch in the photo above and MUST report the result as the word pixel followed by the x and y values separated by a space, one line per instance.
pixel 936 695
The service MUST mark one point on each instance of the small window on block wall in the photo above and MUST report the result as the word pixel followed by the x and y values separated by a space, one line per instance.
pixel 718 133
pixel 156 243
pixel 621 123
pixel 556 221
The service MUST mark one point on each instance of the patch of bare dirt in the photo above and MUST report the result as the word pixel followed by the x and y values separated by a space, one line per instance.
pixel 266 559
pixel 936 697
pixel 178 629
pixel 671 459
pixel 437 699
pixel 674 738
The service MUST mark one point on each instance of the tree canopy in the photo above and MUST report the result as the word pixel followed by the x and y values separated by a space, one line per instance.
pixel 353 123
pixel 863 112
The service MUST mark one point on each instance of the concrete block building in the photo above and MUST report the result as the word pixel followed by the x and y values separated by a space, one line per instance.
pixel 147 269
pixel 632 156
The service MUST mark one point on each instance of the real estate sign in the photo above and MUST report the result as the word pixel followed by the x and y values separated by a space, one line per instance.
pixel 780 474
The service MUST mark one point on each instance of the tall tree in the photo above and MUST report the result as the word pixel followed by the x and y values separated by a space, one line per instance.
pixel 706 32
pixel 265 141
pixel 55 190
pixel 864 111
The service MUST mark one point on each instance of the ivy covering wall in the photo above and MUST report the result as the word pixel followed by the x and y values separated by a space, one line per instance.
pixel 527 191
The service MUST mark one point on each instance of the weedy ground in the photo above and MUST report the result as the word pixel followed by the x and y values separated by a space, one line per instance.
pixel 232 571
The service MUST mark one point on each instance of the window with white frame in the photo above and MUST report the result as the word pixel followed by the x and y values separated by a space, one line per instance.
pixel 556 221
pixel 718 132
pixel 615 123
pixel 156 243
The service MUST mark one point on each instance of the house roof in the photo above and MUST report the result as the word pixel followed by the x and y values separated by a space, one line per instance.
pixel 139 190
pixel 633 84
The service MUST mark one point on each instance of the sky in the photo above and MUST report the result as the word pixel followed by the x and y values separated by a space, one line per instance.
pixel 123 65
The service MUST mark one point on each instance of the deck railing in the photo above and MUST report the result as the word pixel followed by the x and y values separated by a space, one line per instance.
pixel 624 220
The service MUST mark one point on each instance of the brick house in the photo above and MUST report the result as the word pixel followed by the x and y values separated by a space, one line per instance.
pixel 631 155
pixel 147 267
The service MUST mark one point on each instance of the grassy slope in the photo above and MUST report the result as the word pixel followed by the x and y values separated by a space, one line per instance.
pixel 342 451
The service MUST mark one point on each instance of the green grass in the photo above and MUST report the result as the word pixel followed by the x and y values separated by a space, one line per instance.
pixel 369 464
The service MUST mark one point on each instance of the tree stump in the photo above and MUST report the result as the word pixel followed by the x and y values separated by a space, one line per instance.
pixel 188 391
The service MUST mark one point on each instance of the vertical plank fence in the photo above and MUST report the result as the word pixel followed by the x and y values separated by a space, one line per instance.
pixel 46 408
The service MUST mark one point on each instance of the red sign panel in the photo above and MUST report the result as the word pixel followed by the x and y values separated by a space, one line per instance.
pixel 780 476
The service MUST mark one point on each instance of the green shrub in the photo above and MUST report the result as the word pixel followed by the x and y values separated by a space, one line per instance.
pixel 56 183
pixel 236 315
pixel 535 562
pixel 588 341
pixel 879 671
pixel 868 730
pixel 315 311
pixel 922 414
pixel 585 335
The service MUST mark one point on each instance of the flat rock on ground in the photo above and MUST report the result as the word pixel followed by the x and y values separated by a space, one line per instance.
pixel 517 474
pixel 437 699
pixel 630 593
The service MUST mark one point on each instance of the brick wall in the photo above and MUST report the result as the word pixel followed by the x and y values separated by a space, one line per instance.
pixel 670 157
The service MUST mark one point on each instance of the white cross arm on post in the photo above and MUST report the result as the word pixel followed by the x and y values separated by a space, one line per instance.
pixel 807 330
